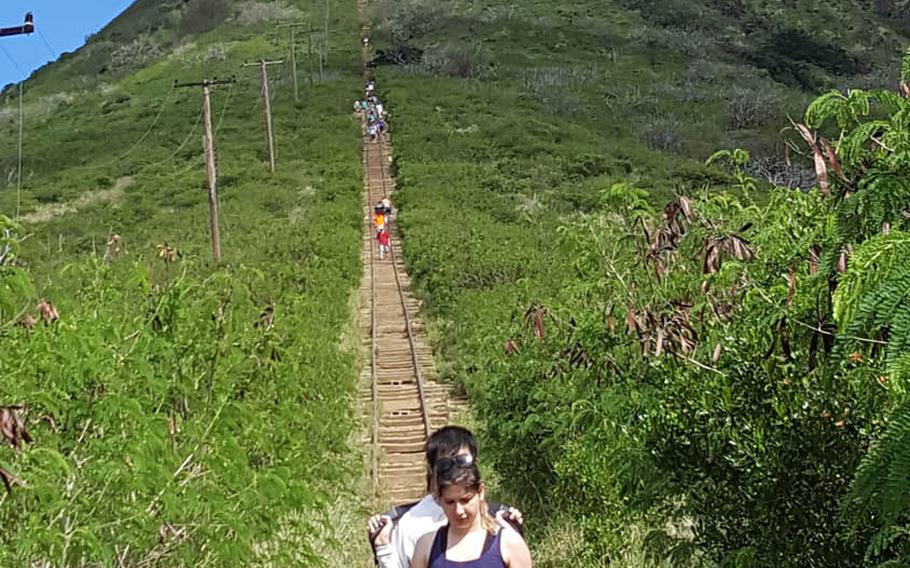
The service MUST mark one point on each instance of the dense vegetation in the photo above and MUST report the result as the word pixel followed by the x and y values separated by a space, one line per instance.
pixel 161 410
pixel 676 360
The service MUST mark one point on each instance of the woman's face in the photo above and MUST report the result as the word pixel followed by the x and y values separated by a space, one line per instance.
pixel 461 505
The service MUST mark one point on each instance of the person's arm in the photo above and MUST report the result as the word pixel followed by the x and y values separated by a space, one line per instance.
pixel 506 516
pixel 515 553
pixel 386 555
pixel 422 551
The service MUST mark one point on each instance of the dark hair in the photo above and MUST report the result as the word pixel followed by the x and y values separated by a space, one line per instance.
pixel 451 472
pixel 446 442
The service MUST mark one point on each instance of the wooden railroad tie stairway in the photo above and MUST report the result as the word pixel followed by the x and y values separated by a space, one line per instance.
pixel 398 387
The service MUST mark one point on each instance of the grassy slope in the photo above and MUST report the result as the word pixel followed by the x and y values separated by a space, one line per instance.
pixel 566 100
pixel 290 240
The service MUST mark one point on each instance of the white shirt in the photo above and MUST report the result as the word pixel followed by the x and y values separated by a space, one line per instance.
pixel 424 517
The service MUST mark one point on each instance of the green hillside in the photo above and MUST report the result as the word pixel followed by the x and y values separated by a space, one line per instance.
pixel 183 414
pixel 673 363
pixel 654 345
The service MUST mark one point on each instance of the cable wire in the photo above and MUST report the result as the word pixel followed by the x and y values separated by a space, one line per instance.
pixel 21 122
pixel 182 144
pixel 144 136
pixel 19 166
pixel 199 160
pixel 13 61
pixel 47 45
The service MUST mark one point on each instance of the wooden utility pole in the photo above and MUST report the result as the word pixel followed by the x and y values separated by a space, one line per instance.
pixel 294 67
pixel 26 28
pixel 208 147
pixel 267 98
pixel 292 26
pixel 324 50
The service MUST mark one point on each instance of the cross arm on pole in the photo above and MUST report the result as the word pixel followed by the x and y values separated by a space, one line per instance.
pixel 26 28
pixel 263 62
pixel 206 83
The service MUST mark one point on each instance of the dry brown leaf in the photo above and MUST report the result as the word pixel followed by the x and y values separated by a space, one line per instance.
pixel 631 320
pixel 831 156
pixel 791 284
pixel 48 312
pixel 821 168
pixel 12 426
pixel 686 207
pixel 9 480
pixel 814 256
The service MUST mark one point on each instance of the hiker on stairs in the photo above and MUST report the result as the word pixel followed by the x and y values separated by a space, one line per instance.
pixel 385 242
pixel 395 533
pixel 471 538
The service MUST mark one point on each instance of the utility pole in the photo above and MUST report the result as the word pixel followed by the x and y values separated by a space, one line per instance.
pixel 26 28
pixel 292 26
pixel 294 67
pixel 269 139
pixel 324 51
pixel 208 147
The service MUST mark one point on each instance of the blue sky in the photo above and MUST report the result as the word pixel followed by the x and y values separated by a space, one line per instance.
pixel 64 25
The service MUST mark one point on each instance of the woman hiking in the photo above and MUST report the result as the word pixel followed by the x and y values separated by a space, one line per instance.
pixel 471 538
pixel 395 533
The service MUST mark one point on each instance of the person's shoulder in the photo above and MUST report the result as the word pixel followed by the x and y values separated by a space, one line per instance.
pixel 510 538
pixel 420 512
pixel 425 541
pixel 513 547
pixel 422 549
pixel 425 507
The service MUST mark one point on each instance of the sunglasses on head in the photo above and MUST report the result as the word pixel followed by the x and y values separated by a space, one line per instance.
pixel 461 460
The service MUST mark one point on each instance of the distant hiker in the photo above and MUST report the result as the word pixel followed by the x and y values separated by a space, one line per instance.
pixel 380 110
pixel 385 242
pixel 363 104
pixel 380 124
pixel 372 130
pixel 357 106
pixel 395 533
pixel 379 218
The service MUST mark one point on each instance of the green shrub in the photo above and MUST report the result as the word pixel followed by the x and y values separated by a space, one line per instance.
pixel 201 16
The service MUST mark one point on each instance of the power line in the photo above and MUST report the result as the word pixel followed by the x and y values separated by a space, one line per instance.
pixel 19 164
pixel 47 45
pixel 13 61
pixel 144 136
pixel 195 163
pixel 182 144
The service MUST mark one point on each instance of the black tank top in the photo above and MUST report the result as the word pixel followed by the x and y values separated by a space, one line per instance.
pixel 490 557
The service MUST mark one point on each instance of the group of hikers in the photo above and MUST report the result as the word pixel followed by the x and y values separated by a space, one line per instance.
pixel 453 525
pixel 373 111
